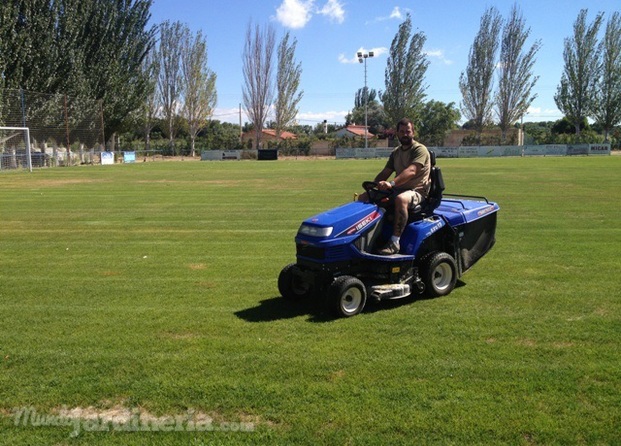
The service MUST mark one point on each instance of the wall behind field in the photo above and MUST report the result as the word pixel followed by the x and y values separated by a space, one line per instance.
pixel 488 151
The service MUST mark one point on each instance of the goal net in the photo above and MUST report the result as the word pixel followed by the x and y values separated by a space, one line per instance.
pixel 15 150
pixel 57 130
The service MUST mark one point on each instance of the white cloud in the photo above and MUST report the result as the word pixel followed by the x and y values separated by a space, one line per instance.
pixel 295 13
pixel 546 114
pixel 376 53
pixel 333 9
pixel 396 14
pixel 331 116
pixel 439 54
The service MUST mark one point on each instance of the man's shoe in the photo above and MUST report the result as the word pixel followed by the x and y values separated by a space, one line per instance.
pixel 390 249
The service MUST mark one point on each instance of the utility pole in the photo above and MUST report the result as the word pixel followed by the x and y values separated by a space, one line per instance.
pixel 362 57
pixel 240 126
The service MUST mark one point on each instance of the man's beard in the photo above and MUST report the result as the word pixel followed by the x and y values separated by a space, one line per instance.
pixel 406 140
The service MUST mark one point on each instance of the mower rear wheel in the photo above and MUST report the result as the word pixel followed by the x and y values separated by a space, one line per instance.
pixel 439 273
pixel 347 296
pixel 291 283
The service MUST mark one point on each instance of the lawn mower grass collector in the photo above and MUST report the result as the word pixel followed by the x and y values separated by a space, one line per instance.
pixel 444 238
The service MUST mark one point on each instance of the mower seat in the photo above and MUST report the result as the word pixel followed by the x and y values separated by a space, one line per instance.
pixel 428 205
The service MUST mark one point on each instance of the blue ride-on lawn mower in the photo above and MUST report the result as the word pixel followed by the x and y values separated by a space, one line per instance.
pixel 335 261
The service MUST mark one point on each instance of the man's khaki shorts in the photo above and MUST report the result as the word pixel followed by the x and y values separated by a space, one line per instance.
pixel 414 197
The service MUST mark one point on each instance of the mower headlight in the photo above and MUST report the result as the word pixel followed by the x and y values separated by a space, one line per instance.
pixel 315 231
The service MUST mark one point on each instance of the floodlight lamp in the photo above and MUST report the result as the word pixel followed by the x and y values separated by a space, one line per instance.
pixel 370 53
pixel 359 54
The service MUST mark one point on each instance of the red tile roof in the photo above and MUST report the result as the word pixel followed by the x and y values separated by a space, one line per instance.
pixel 283 134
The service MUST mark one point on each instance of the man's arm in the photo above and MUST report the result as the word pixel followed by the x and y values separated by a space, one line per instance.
pixel 405 176
pixel 399 180
pixel 383 175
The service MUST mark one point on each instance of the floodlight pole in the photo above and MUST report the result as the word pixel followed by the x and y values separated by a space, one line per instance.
pixel 362 57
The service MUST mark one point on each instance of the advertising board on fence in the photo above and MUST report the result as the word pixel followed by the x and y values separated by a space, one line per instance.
pixel 361 152
pixel 231 154
pixel 267 154
pixel 219 155
pixel 488 151
pixel 383 152
pixel 211 155
pixel 578 149
pixel 445 152
pixel 345 153
pixel 599 149
pixel 556 149
pixel 365 152
pixel 129 157
pixel 468 152
pixel 534 150
pixel 511 151
pixel 107 158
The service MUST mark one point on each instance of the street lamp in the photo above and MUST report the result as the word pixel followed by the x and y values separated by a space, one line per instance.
pixel 362 57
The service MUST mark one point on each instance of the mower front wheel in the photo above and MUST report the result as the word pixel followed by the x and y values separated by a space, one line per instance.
pixel 291 283
pixel 439 274
pixel 347 296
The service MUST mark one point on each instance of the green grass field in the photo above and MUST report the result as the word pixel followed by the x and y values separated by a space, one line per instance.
pixel 151 288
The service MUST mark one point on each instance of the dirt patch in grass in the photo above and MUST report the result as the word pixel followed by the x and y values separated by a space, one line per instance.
pixel 65 182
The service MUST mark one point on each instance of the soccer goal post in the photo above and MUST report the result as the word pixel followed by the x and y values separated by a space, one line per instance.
pixel 15 149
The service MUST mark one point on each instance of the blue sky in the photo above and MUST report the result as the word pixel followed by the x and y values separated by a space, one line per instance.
pixel 330 32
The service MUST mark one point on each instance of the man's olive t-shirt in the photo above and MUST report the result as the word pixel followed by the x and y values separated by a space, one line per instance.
pixel 400 159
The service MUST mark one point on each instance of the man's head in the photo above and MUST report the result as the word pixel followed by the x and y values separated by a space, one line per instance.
pixel 405 132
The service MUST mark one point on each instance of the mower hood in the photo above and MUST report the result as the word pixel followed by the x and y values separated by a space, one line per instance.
pixel 343 221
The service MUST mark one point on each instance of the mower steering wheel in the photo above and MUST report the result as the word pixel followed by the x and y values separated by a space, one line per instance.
pixel 376 195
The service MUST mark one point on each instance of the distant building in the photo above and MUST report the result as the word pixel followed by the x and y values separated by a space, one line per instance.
pixel 268 135
pixel 353 131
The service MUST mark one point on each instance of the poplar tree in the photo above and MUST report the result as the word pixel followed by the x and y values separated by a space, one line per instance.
pixel 199 86
pixel 169 81
pixel 152 103
pixel 258 89
pixel 28 45
pixel 288 95
pixel 477 82
pixel 405 74
pixel 516 80
pixel 115 40
pixel 91 50
pixel 576 93
pixel 607 110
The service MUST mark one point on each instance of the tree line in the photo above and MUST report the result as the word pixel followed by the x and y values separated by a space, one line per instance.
pixel 155 79
pixel 82 48
pixel 498 82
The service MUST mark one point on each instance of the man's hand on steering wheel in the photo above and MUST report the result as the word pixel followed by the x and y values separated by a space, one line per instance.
pixel 375 194
pixel 385 185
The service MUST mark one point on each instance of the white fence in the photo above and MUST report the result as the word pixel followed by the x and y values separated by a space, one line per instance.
pixel 487 151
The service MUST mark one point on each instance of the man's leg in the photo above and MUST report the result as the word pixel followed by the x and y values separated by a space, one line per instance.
pixel 402 203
